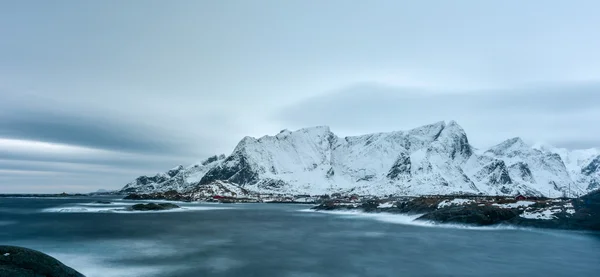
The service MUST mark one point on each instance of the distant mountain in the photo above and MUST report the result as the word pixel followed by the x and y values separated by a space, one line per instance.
pixel 432 159
pixel 181 179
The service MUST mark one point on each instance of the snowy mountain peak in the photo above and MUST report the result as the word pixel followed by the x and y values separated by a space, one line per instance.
pixel 510 147
pixel 429 130
pixel 431 159
pixel 452 140
pixel 452 123
pixel 544 147
pixel 516 142
pixel 315 131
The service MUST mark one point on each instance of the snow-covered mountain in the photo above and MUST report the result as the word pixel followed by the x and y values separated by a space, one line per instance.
pixel 432 159
pixel 181 179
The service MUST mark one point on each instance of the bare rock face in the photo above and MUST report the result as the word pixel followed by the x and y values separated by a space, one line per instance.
pixel 23 262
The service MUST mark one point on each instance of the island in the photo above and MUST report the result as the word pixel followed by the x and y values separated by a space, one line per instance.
pixel 153 207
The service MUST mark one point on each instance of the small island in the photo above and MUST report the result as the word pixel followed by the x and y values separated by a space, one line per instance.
pixel 153 207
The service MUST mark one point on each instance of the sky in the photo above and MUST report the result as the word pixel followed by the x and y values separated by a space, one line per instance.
pixel 96 93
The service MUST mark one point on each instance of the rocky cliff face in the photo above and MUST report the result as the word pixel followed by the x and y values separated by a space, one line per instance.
pixel 591 173
pixel 432 159
pixel 180 178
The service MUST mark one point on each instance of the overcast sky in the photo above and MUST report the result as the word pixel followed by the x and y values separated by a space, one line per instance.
pixel 95 93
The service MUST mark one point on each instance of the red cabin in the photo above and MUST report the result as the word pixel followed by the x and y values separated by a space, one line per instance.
pixel 218 197
pixel 520 197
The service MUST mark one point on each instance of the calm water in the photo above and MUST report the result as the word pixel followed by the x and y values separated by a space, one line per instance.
pixel 283 240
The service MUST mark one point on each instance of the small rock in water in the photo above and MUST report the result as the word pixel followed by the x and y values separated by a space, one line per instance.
pixel 102 202
pixel 154 207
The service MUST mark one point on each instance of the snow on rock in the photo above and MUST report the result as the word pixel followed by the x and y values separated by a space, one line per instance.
pixel 432 159
pixel 454 202
pixel 179 178
pixel 542 172
pixel 518 204
pixel 544 214
pixel 385 205
pixel 219 188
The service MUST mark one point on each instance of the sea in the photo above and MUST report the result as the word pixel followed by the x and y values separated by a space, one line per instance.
pixel 283 240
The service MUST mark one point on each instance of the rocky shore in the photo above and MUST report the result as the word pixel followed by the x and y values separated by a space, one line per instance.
pixel 169 195
pixel 23 262
pixel 573 214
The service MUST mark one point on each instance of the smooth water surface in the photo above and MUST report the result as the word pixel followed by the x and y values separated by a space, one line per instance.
pixel 282 240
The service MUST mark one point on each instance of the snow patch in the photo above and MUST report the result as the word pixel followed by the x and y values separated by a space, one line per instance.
pixel 454 202
pixel 515 205
pixel 545 214
pixel 386 205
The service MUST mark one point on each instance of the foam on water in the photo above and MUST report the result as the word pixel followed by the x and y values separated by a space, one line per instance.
pixel 7 222
pixel 94 266
pixel 123 209
pixel 106 204
pixel 95 262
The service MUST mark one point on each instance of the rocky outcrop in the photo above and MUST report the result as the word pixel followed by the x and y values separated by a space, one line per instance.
pixel 471 214
pixel 592 167
pixel 522 172
pixel 401 168
pixel 102 202
pixel 23 262
pixel 235 169
pixel 592 173
pixel 154 207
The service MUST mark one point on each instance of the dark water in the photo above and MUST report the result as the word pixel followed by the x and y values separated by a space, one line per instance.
pixel 280 240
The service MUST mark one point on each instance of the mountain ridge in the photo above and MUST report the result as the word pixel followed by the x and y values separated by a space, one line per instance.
pixel 432 159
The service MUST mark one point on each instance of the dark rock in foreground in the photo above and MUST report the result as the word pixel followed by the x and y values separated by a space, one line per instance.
pixel 570 214
pixel 471 214
pixel 154 207
pixel 23 262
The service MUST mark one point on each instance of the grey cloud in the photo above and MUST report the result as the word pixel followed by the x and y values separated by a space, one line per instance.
pixel 37 162
pixel 547 113
pixel 82 130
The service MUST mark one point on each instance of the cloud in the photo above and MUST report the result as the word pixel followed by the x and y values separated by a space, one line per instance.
pixel 92 87
pixel 84 130
pixel 537 113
